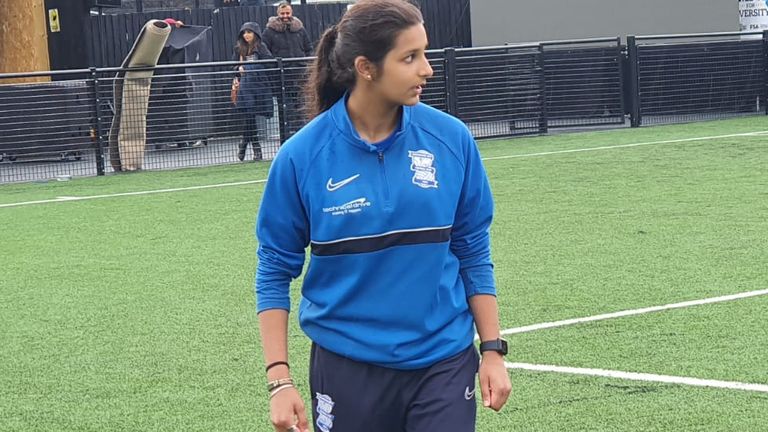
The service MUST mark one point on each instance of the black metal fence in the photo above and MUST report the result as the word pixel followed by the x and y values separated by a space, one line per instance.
pixel 681 78
pixel 61 127
pixel 584 83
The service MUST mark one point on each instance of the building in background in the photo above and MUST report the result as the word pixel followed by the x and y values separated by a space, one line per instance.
pixel 753 16
pixel 495 22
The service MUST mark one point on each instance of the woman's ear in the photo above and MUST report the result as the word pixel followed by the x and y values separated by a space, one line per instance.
pixel 364 68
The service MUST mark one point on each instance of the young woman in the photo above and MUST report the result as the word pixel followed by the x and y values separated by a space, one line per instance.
pixel 254 94
pixel 393 201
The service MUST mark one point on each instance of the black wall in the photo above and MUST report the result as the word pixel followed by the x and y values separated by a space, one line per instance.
pixel 104 40
pixel 448 22
pixel 67 48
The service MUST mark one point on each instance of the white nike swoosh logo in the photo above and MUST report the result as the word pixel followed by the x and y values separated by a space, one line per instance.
pixel 469 394
pixel 331 186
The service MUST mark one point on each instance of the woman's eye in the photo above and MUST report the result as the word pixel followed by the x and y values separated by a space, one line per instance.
pixel 409 59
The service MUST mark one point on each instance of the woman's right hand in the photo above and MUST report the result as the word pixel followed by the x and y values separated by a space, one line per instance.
pixel 287 412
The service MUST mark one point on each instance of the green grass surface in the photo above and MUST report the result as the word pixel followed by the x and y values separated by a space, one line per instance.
pixel 137 312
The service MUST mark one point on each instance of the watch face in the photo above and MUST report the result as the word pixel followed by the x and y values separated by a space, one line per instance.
pixel 498 345
pixel 503 346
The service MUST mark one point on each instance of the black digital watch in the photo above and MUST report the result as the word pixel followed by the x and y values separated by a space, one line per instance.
pixel 498 345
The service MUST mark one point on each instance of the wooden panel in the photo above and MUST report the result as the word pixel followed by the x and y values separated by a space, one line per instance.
pixel 23 39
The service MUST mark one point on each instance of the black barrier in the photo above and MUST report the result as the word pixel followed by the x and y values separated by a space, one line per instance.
pixel 48 121
pixel 499 90
pixel 291 100
pixel 60 127
pixel 435 93
pixel 683 78
pixel 584 83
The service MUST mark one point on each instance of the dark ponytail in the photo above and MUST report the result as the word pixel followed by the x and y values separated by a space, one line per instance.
pixel 323 88
pixel 369 29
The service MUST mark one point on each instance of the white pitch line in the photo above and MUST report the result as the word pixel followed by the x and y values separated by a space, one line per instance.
pixel 682 140
pixel 635 376
pixel 149 192
pixel 631 312
pixel 63 199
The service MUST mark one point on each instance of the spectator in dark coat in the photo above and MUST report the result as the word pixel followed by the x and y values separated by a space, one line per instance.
pixel 285 35
pixel 254 96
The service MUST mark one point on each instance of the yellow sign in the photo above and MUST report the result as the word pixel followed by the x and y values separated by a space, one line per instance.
pixel 53 20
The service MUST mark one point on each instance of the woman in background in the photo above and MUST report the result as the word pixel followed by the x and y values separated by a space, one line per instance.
pixel 254 94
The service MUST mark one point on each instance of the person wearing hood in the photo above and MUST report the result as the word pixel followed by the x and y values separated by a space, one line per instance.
pixel 285 35
pixel 254 94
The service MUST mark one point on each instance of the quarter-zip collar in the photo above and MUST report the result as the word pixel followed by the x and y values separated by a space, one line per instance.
pixel 343 123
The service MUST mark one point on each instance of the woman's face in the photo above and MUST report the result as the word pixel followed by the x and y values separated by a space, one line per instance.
pixel 405 68
pixel 248 36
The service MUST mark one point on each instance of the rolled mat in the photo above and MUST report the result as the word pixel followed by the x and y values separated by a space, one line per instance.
pixel 128 133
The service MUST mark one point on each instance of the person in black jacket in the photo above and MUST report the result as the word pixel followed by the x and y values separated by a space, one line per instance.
pixel 254 96
pixel 285 35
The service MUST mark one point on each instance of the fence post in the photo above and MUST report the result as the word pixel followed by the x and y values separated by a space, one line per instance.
pixel 96 128
pixel 281 106
pixel 765 71
pixel 621 63
pixel 543 120
pixel 634 82
pixel 449 68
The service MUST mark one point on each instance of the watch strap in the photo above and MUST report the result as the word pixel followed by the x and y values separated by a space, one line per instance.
pixel 498 345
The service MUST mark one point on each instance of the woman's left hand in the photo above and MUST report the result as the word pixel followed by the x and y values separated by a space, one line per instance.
pixel 495 384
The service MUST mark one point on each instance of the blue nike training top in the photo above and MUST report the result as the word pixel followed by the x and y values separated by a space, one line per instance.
pixel 398 235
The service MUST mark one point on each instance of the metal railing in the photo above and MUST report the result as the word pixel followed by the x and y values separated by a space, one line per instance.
pixel 693 77
pixel 61 124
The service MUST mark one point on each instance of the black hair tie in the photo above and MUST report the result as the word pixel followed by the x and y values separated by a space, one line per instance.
pixel 277 363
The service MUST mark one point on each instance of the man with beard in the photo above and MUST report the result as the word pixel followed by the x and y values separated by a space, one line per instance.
pixel 286 37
